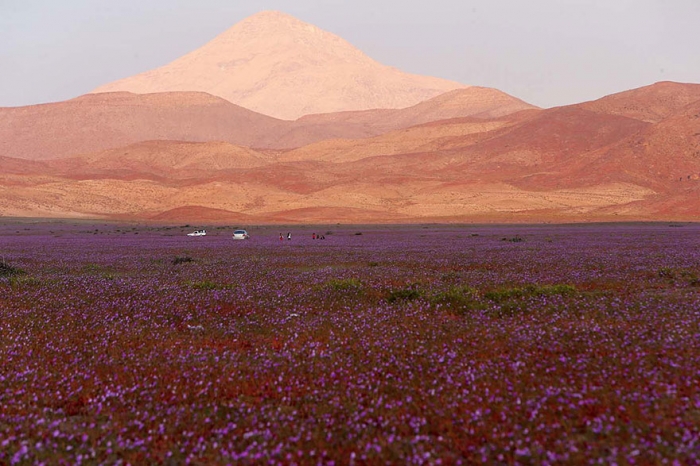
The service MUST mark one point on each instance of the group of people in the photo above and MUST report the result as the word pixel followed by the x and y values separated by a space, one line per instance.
pixel 313 236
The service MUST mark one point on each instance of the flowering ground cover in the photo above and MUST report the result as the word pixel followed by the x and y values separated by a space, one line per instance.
pixel 418 345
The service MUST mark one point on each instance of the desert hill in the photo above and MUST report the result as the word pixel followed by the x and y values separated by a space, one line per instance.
pixel 97 122
pixel 436 136
pixel 102 121
pixel 14 166
pixel 477 102
pixel 275 64
pixel 555 135
pixel 161 160
pixel 562 164
pixel 649 103
pixel 525 139
pixel 664 156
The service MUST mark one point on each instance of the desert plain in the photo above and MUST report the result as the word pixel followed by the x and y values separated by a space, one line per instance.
pixel 433 344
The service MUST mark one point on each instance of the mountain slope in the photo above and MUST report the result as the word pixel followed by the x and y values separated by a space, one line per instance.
pixel 476 102
pixel 102 121
pixel 665 156
pixel 649 103
pixel 278 65
pixel 97 122
pixel 562 164
pixel 160 159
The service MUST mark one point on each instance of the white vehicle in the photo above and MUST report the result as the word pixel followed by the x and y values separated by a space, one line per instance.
pixel 240 234
pixel 198 233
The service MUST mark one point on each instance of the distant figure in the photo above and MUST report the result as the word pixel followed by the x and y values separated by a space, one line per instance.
pixel 289 236
pixel 281 238
pixel 313 235
pixel 323 237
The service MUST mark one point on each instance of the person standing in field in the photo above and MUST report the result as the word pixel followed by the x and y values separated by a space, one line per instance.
pixel 289 236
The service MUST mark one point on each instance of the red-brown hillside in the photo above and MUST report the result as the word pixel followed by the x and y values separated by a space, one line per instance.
pixel 665 156
pixel 557 135
pixel 97 122
pixel 13 166
pixel 161 159
pixel 566 163
pixel 477 102
pixel 649 103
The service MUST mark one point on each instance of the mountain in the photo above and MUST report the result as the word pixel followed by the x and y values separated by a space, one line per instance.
pixel 431 137
pixel 664 156
pixel 168 160
pixel 649 103
pixel 277 65
pixel 102 121
pixel 97 122
pixel 477 102
pixel 573 163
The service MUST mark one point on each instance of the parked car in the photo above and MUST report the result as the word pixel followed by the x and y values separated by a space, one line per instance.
pixel 198 233
pixel 240 234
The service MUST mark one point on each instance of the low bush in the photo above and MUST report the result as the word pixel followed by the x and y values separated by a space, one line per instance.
pixel 204 285
pixel 673 275
pixel 404 294
pixel 182 260
pixel 514 239
pixel 507 294
pixel 456 296
pixel 346 284
pixel 209 285
pixel 7 270
pixel 459 298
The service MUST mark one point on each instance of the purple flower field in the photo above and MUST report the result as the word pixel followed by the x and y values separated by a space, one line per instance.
pixel 399 345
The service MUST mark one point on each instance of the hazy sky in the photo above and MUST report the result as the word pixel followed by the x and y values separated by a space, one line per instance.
pixel 547 52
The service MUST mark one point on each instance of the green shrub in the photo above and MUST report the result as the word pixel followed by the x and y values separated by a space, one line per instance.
pixel 508 294
pixel 346 284
pixel 404 294
pixel 182 260
pixel 209 285
pixel 671 274
pixel 459 298
pixel 7 270
pixel 456 296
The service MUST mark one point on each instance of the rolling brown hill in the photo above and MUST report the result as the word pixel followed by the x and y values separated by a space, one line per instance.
pixel 436 136
pixel 97 122
pixel 277 65
pixel 649 103
pixel 477 102
pixel 562 164
pixel 558 135
pixel 102 121
pixel 169 160
pixel 664 156
pixel 14 166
